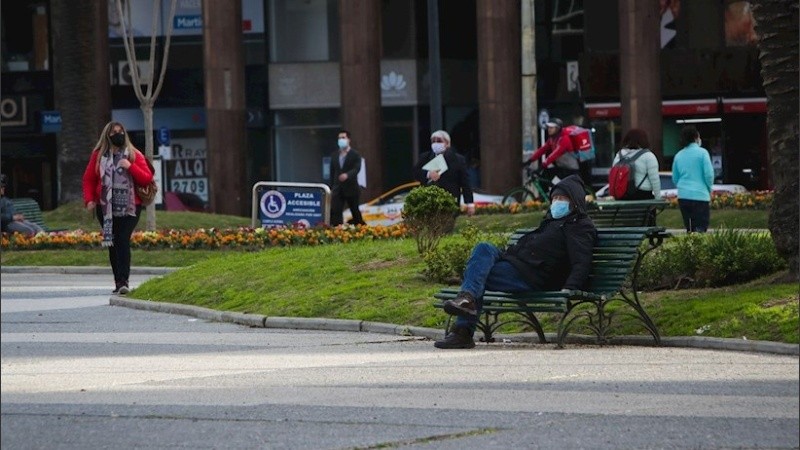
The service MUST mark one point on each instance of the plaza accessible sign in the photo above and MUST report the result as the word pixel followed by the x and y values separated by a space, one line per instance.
pixel 278 204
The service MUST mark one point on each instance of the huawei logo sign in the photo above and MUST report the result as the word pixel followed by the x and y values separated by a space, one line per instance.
pixel 392 82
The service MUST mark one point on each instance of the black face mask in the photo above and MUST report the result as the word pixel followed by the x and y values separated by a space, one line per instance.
pixel 118 139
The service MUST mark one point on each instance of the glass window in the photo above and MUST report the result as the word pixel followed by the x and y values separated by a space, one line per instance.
pixel 397 29
pixel 303 138
pixel 305 30
pixel 24 36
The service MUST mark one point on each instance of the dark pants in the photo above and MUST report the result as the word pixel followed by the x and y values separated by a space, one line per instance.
pixel 337 208
pixel 696 215
pixel 585 169
pixel 119 254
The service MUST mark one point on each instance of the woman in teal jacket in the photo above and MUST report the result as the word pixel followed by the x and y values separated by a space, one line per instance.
pixel 693 175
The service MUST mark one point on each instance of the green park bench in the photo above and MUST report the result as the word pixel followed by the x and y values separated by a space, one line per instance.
pixel 617 256
pixel 625 213
pixel 29 208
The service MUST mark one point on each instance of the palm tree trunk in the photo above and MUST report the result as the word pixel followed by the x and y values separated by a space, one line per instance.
pixel 81 84
pixel 778 52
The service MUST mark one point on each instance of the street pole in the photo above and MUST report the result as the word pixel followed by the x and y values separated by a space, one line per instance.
pixel 529 104
pixel 434 65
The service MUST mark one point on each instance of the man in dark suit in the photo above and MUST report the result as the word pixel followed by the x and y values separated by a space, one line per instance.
pixel 345 164
pixel 456 179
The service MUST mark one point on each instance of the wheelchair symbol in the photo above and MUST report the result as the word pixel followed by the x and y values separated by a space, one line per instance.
pixel 273 204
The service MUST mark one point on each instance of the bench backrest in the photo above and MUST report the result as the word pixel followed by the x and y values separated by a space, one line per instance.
pixel 29 208
pixel 613 257
pixel 624 213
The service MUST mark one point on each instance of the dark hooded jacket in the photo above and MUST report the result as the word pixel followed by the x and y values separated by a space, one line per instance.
pixel 558 254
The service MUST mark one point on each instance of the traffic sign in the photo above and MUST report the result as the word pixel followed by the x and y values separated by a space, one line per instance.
pixel 544 117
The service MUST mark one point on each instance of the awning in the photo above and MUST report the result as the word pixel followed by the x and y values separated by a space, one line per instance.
pixel 670 108
pixel 603 110
pixel 689 107
pixel 744 105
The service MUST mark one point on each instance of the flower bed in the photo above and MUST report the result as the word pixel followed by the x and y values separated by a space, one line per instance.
pixel 211 238
pixel 759 200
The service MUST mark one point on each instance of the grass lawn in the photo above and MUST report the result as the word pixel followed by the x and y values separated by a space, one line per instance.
pixel 383 281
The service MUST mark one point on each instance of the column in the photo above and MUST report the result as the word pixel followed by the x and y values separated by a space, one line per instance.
pixel 360 26
pixel 499 94
pixel 640 69
pixel 226 120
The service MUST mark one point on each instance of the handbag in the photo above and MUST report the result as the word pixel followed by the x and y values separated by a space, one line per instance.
pixel 147 192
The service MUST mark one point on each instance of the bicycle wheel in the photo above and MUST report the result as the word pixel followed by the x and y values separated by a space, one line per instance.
pixel 518 195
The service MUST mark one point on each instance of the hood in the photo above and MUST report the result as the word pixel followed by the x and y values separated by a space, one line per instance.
pixel 574 187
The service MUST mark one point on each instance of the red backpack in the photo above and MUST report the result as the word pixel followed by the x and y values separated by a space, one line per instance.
pixel 622 176
pixel 582 144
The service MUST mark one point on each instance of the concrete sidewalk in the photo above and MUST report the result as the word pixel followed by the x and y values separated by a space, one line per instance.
pixel 261 321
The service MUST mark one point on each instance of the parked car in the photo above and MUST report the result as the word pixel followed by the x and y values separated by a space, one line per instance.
pixel 387 209
pixel 668 188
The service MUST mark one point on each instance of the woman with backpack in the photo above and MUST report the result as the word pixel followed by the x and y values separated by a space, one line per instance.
pixel 644 177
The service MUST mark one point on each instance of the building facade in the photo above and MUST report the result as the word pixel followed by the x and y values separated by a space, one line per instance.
pixel 293 88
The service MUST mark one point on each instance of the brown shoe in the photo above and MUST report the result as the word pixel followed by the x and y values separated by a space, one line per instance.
pixel 458 338
pixel 464 305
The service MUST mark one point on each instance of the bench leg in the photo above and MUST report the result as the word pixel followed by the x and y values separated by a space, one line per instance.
pixel 534 323
pixel 488 324
pixel 642 315
pixel 597 321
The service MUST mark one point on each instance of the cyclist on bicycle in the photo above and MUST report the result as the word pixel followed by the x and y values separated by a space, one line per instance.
pixel 560 159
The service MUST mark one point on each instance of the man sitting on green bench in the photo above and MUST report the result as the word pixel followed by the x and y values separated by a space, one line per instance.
pixel 11 221
pixel 556 255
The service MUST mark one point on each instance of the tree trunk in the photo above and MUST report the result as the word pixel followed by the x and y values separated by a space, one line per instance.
pixel 147 112
pixel 778 52
pixel 81 85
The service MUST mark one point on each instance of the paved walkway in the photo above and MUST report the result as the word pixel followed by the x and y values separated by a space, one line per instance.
pixel 256 320
pixel 80 374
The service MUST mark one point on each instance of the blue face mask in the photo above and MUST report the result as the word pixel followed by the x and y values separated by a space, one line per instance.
pixel 342 143
pixel 559 209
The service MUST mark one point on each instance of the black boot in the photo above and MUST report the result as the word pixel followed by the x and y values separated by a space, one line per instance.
pixel 463 305
pixel 458 338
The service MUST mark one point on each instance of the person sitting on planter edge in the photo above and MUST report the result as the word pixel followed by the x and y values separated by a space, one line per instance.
pixel 556 255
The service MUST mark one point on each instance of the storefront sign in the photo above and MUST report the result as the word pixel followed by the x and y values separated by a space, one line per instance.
pixel 50 121
pixel 668 108
pixel 14 111
pixel 187 167
pixel 689 107
pixel 603 110
pixel 745 105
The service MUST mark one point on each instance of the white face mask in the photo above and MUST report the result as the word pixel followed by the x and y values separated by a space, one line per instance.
pixel 437 147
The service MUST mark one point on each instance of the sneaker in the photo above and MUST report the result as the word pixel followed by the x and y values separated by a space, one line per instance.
pixel 123 289
pixel 458 338
pixel 463 305
pixel 116 290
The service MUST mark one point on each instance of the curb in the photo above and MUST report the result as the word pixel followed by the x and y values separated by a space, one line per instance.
pixel 84 270
pixel 259 321
pixel 297 323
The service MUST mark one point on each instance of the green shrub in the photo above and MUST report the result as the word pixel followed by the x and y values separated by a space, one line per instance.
pixel 429 212
pixel 720 258
pixel 446 264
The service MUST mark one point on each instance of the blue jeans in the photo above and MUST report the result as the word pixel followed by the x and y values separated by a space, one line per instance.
pixel 486 271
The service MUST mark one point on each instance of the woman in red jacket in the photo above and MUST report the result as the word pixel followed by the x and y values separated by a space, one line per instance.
pixel 115 168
